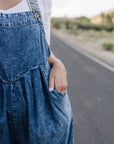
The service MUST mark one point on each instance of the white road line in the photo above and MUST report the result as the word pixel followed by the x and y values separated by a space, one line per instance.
pixel 90 56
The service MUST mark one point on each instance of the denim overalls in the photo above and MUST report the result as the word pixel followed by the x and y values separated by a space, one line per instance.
pixel 29 112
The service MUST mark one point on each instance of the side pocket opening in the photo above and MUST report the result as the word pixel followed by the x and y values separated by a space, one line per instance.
pixel 47 76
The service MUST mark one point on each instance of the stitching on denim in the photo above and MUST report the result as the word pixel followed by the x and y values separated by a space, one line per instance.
pixel 13 110
pixel 44 71
pixel 24 24
pixel 29 4
pixel 60 138
pixel 43 31
pixel 21 74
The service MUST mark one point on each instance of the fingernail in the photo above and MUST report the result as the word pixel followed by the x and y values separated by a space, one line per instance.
pixel 50 89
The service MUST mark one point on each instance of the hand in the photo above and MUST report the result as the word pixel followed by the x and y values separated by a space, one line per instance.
pixel 58 77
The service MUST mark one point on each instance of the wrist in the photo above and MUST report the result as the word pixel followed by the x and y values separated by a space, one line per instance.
pixel 54 61
pixel 57 63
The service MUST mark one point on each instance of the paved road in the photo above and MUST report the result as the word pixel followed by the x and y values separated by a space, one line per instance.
pixel 91 91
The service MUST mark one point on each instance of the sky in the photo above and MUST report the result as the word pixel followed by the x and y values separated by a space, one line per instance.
pixel 77 8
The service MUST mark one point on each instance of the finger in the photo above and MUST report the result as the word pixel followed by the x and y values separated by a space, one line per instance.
pixel 64 87
pixel 60 87
pixel 63 90
pixel 51 82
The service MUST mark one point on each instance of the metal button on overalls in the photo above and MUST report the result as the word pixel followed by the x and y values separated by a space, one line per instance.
pixel 33 7
pixel 31 1
pixel 29 112
pixel 36 15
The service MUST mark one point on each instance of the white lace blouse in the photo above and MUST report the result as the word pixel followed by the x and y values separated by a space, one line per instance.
pixel 46 10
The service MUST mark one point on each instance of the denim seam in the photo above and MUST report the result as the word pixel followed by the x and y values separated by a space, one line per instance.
pixel 60 137
pixel 13 110
pixel 43 29
pixel 21 74
pixel 44 71
pixel 24 24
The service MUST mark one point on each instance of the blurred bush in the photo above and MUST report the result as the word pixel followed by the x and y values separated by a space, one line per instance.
pixel 83 23
pixel 108 46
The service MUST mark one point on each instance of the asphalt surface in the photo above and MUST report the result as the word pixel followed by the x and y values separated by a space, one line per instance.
pixel 91 92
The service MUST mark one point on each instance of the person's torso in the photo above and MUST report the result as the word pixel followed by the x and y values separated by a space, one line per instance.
pixel 46 10
pixel 45 6
pixel 22 43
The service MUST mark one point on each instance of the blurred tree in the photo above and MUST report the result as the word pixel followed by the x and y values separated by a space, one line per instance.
pixel 103 18
pixel 107 20
pixel 83 19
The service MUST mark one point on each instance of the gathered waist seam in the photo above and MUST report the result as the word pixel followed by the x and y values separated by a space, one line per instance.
pixel 20 75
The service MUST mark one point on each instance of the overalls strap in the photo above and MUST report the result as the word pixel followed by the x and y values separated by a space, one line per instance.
pixel 33 5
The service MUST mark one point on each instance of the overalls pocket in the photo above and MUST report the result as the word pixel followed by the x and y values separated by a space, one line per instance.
pixel 54 116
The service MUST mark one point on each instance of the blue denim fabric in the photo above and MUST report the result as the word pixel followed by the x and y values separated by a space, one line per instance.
pixel 29 112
